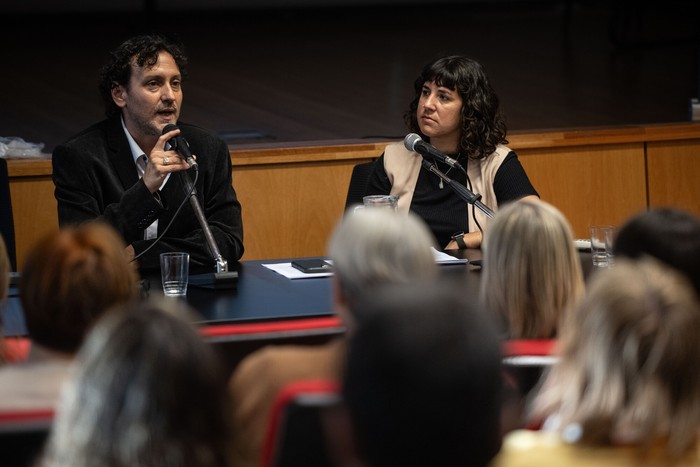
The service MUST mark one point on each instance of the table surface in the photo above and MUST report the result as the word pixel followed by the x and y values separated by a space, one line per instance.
pixel 261 295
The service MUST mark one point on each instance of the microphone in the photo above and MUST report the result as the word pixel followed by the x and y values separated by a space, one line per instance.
pixel 413 142
pixel 222 278
pixel 179 144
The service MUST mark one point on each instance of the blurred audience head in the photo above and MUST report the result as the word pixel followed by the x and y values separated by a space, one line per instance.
pixel 69 279
pixel 531 269
pixel 628 370
pixel 375 246
pixel 147 391
pixel 423 378
pixel 669 235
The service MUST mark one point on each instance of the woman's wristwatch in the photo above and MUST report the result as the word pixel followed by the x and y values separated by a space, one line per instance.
pixel 459 239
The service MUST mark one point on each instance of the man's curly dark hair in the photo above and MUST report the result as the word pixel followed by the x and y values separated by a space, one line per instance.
pixel 144 50
pixel 483 127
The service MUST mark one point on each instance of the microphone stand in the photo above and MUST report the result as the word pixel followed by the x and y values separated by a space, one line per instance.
pixel 462 191
pixel 222 278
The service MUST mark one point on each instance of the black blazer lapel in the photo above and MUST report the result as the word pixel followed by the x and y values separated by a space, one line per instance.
pixel 120 154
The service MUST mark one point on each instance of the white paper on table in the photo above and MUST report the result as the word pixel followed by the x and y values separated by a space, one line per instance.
pixel 290 272
pixel 444 258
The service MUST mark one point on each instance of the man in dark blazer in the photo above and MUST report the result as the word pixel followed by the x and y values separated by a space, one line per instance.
pixel 123 171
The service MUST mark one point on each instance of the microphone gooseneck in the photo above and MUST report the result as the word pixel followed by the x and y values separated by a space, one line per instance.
pixel 413 142
pixel 179 144
pixel 459 189
pixel 222 278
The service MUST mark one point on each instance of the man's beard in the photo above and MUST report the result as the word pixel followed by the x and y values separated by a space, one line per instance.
pixel 147 127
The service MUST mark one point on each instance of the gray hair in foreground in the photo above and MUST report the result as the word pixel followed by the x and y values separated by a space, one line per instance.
pixel 375 246
pixel 147 391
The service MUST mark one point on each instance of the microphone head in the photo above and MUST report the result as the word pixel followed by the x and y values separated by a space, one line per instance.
pixel 172 141
pixel 410 141
pixel 180 144
pixel 169 127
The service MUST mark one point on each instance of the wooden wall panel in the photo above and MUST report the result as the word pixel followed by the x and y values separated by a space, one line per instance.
pixel 33 204
pixel 601 184
pixel 674 174
pixel 34 211
pixel 289 210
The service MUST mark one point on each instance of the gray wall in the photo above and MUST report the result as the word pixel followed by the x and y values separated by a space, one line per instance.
pixel 63 6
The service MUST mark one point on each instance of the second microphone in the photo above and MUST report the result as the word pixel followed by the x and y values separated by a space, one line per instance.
pixel 413 142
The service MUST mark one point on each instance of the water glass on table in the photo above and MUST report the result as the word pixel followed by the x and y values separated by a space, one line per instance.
pixel 174 272
pixel 602 238
pixel 380 201
pixel 610 235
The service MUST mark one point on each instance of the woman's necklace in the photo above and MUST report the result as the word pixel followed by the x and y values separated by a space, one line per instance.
pixel 441 184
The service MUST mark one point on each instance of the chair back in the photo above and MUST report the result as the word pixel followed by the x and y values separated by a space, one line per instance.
pixel 295 434
pixel 233 342
pixel 529 352
pixel 526 359
pixel 22 435
pixel 358 183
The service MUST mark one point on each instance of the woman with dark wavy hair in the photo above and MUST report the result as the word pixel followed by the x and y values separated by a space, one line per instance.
pixel 456 110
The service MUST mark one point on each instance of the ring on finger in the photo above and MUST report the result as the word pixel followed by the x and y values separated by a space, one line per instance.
pixel 166 160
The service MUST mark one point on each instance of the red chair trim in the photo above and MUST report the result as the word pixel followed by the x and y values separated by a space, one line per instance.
pixel 16 421
pixel 530 347
pixel 13 416
pixel 271 327
pixel 16 349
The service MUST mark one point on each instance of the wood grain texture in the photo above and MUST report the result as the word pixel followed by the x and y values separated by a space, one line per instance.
pixel 674 174
pixel 591 136
pixel 33 207
pixel 289 210
pixel 602 184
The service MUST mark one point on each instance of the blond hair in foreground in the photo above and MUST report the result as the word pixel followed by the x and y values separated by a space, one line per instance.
pixel 532 273
pixel 629 361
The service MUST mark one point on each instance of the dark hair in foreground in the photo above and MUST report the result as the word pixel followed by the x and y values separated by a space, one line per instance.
pixel 69 279
pixel 483 127
pixel 143 51
pixel 423 378
pixel 669 235
pixel 148 391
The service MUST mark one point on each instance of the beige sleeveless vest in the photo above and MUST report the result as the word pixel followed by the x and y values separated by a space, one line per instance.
pixel 403 166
